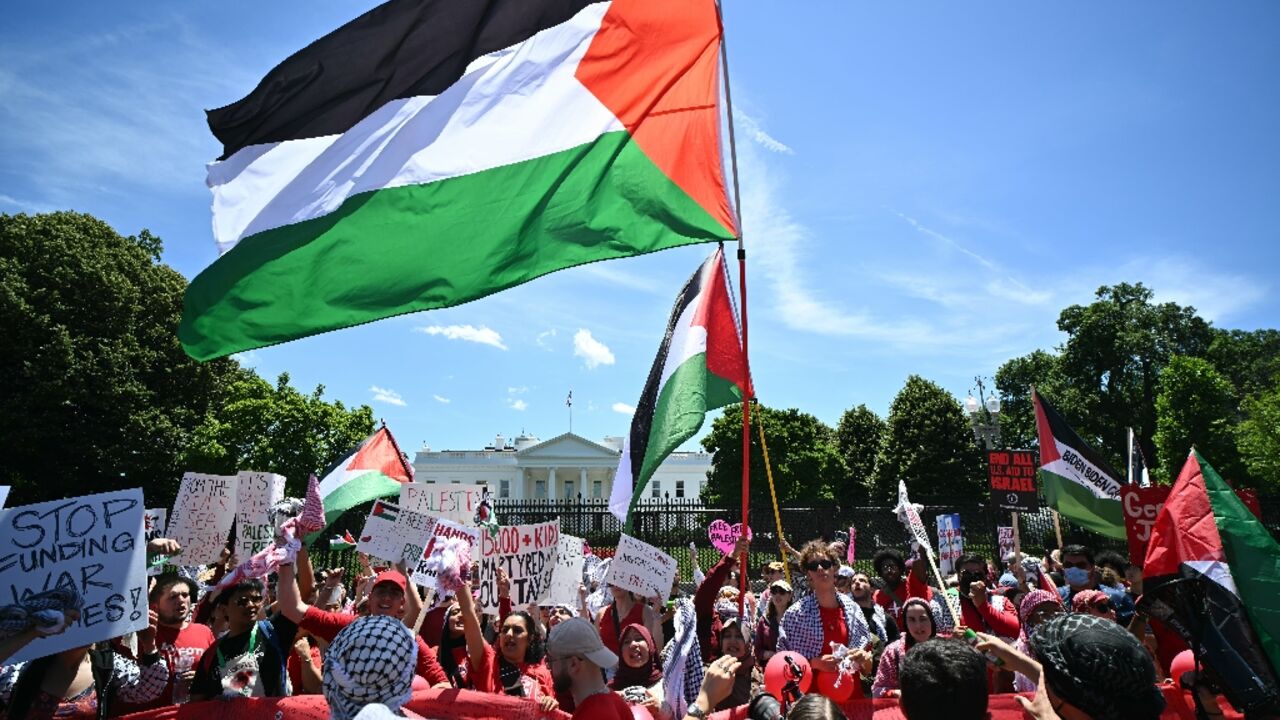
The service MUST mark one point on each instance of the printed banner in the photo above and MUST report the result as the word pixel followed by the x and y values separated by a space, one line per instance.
pixel 527 553
pixel 424 576
pixel 1004 540
pixel 393 534
pixel 202 516
pixel 256 492
pixel 641 568
pixel 950 542
pixel 88 543
pixel 1013 480
pixel 1142 504
pixel 567 575
pixel 444 501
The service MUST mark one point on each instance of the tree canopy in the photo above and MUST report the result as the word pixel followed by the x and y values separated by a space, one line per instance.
pixel 929 444
pixel 807 467
pixel 858 437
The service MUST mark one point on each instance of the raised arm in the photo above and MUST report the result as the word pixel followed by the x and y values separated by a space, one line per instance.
pixel 471 624
pixel 304 574
pixel 412 599
pixel 290 601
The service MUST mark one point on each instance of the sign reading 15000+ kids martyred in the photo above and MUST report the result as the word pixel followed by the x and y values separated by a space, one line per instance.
pixel 528 555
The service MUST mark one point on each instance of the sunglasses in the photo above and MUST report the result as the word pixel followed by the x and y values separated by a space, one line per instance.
pixel 247 600
pixel 815 564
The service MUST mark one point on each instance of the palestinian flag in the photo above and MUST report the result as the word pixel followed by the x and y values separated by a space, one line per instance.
pixel 1077 482
pixel 1212 573
pixel 700 367
pixel 431 153
pixel 374 469
pixel 345 542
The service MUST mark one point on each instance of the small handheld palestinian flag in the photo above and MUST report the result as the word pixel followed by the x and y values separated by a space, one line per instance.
pixel 343 542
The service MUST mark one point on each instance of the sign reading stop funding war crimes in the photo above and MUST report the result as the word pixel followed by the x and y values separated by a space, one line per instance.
pixel 426 576
pixel 567 575
pixel 528 555
pixel 92 544
pixel 256 492
pixel 1013 480
pixel 202 516
pixel 445 501
pixel 394 534
pixel 641 568
pixel 950 542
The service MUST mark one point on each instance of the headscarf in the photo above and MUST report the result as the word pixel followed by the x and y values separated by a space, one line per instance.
pixel 933 621
pixel 1097 666
pixel 1086 599
pixel 1030 602
pixel 645 676
pixel 369 661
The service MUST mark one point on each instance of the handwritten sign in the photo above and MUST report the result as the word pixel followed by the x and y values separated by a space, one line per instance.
pixel 449 502
pixel 256 492
pixel 950 542
pixel 528 555
pixel 394 534
pixel 1013 480
pixel 88 543
pixel 1004 540
pixel 641 568
pixel 202 516
pixel 424 575
pixel 567 575
pixel 724 536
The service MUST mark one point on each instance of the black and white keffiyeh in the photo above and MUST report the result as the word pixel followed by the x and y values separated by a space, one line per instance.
pixel 1097 666
pixel 369 661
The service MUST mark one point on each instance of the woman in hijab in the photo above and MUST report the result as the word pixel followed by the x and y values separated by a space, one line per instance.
pixel 639 679
pixel 920 625
pixel 452 652
pixel 733 642
pixel 1036 607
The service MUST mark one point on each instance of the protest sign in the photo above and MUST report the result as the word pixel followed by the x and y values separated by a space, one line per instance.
pixel 528 555
pixel 394 534
pixel 1142 505
pixel 567 575
pixel 724 536
pixel 440 529
pixel 154 521
pixel 4 494
pixel 202 516
pixel 448 502
pixel 853 540
pixel 1013 480
pixel 92 544
pixel 641 568
pixel 256 492
pixel 1004 541
pixel 950 542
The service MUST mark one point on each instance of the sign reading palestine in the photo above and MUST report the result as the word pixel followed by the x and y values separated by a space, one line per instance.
pixel 1013 480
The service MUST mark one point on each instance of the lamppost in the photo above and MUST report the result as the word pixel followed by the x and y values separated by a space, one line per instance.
pixel 984 417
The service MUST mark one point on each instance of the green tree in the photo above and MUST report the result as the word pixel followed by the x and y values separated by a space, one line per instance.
pixel 929 444
pixel 1196 406
pixel 858 437
pixel 1249 359
pixel 255 426
pixel 1258 438
pixel 1013 381
pixel 802 450
pixel 97 393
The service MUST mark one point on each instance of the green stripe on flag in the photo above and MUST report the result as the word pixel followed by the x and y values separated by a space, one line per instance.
pixel 1078 504
pixel 370 486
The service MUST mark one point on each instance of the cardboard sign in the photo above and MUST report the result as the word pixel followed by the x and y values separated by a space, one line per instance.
pixel 90 543
pixel 567 575
pixel 950 542
pixel 641 568
pixel 393 534
pixel 424 576
pixel 1004 541
pixel 448 502
pixel 202 516
pixel 724 536
pixel 527 553
pixel 256 492
pixel 1141 505
pixel 1013 480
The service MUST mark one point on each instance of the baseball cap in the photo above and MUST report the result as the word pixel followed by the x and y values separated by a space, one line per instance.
pixel 845 571
pixel 391 576
pixel 782 585
pixel 577 636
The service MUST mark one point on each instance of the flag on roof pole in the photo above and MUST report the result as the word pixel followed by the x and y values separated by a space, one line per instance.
pixel 428 153
pixel 1212 573
pixel 699 367
pixel 1077 482
pixel 374 469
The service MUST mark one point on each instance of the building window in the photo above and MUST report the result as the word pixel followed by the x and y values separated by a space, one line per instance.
pixel 568 489
pixel 597 489
pixel 504 488
pixel 455 481
pixel 655 489
pixel 679 488
pixel 540 489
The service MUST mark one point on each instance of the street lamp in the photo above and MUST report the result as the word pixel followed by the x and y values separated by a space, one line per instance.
pixel 986 425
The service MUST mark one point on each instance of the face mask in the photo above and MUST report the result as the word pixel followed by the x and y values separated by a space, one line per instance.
pixel 1076 576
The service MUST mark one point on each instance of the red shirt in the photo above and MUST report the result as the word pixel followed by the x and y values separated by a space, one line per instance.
pixel 835 629
pixel 294 666
pixel 603 706
pixel 327 625
pixel 181 649
pixel 535 677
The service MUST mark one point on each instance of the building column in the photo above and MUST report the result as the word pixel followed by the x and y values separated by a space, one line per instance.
pixel 517 483
pixel 551 483
pixel 583 489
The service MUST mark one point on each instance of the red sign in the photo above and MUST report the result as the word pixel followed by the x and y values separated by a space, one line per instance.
pixel 1141 505
pixel 1013 479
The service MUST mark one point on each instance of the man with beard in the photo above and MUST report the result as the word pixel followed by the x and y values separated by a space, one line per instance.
pixel 980 608
pixel 881 623
pixel 577 658
pixel 177 638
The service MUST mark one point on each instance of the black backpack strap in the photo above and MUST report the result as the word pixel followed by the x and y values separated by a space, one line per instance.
pixel 103 660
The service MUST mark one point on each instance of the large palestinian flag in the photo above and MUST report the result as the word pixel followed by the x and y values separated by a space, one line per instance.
pixel 700 367
pixel 1076 481
pixel 374 469
pixel 1212 573
pixel 430 153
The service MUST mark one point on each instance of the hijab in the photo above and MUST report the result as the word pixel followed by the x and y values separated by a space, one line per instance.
pixel 645 676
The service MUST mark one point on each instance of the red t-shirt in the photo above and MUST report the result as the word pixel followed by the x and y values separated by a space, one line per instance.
pixel 327 625
pixel 835 629
pixel 603 706
pixel 535 677
pixel 294 666
pixel 181 649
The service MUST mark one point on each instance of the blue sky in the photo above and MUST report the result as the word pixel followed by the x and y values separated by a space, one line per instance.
pixel 925 187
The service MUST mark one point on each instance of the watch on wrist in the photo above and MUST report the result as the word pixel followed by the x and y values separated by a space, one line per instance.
pixel 695 711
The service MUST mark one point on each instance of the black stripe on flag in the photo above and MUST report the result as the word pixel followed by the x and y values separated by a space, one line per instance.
pixel 1063 432
pixel 400 49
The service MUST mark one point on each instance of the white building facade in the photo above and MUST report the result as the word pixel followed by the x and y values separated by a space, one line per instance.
pixel 564 467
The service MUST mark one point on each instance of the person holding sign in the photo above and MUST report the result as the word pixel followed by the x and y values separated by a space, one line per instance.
pixel 515 667
pixel 626 609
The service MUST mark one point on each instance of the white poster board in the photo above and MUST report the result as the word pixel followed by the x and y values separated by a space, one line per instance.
pixel 202 516
pixel 1004 540
pixel 91 543
pixel 641 568
pixel 394 534
pixel 424 576
pixel 950 542
pixel 256 492
pixel 567 575
pixel 527 553
pixel 4 494
pixel 454 502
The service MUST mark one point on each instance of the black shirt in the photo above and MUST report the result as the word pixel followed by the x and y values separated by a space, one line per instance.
pixel 208 679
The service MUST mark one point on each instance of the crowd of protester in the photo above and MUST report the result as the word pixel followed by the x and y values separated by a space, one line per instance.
pixel 1063 631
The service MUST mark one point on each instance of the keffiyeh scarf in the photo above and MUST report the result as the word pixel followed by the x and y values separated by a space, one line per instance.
pixel 369 661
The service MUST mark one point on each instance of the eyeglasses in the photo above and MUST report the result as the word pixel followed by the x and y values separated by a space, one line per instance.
pixel 815 564
pixel 513 630
pixel 247 600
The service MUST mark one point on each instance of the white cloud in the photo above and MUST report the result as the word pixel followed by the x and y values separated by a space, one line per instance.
pixel 623 408
pixel 517 404
pixel 517 390
pixel 750 127
pixel 592 351
pixel 391 397
pixel 29 206
pixel 544 339
pixel 469 333
pixel 248 358
pixel 442 399
pixel 622 279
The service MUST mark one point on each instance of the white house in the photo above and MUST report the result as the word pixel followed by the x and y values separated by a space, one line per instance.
pixel 563 467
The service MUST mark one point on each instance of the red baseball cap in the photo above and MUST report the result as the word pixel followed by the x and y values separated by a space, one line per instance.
pixel 391 576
